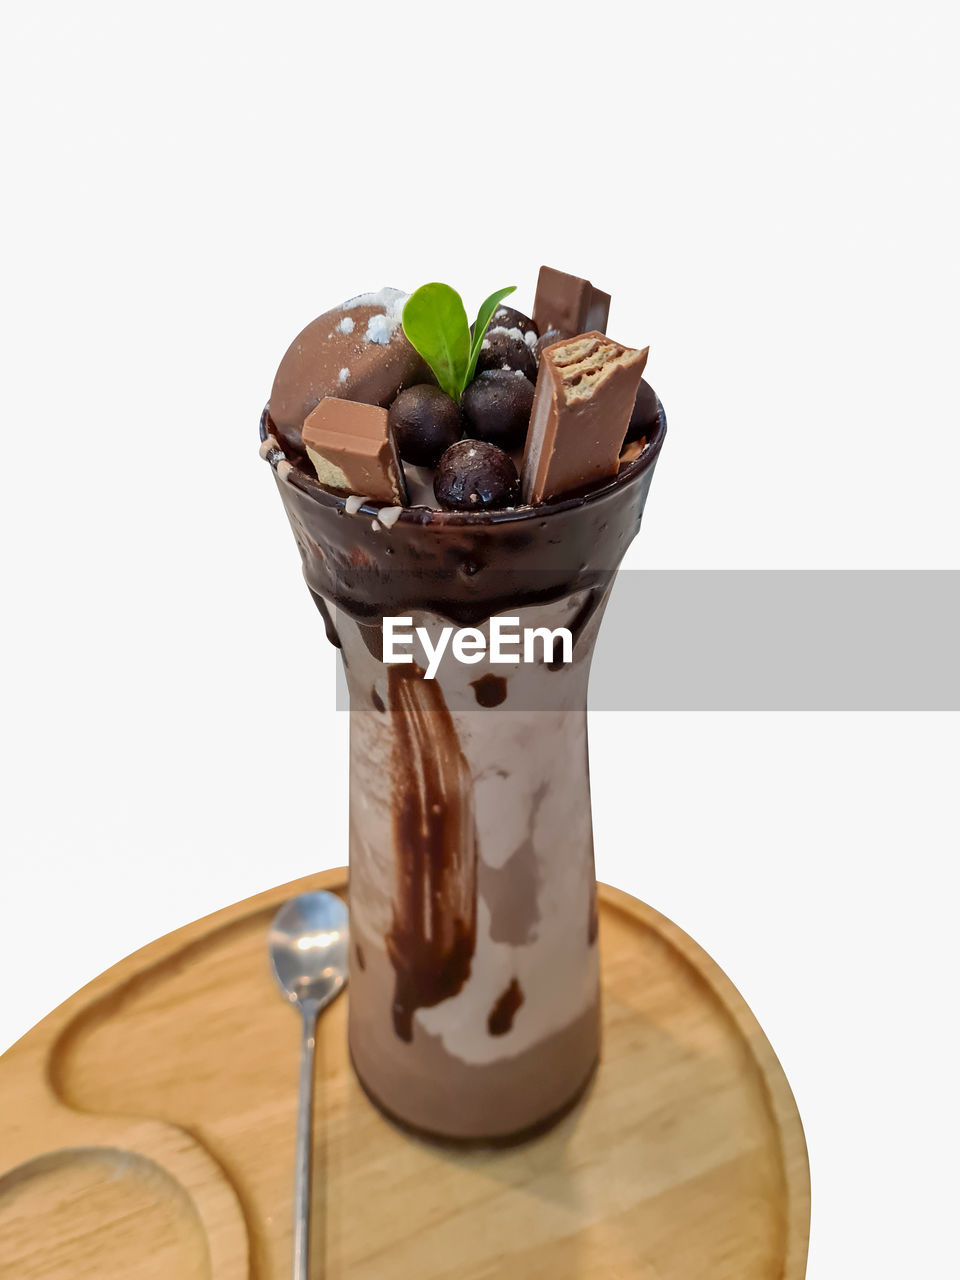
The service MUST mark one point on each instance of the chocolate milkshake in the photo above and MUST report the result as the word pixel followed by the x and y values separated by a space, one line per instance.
pixel 474 983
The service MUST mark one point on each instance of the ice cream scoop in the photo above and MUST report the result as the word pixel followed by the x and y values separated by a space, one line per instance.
pixel 357 351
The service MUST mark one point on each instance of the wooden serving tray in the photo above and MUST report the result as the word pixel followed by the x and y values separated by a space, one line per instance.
pixel 147 1132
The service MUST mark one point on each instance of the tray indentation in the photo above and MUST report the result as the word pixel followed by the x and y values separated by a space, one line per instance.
pixel 98 1211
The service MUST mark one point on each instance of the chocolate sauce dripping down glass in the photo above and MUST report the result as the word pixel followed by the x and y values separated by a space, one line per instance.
pixel 434 926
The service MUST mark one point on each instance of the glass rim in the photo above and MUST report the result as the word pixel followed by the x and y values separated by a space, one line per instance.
pixel 435 518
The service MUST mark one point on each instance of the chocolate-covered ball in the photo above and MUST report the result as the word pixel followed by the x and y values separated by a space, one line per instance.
pixel 496 407
pixel 508 318
pixel 546 339
pixel 644 416
pixel 425 422
pixel 476 476
pixel 499 350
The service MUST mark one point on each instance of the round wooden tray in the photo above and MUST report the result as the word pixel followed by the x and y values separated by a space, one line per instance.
pixel 147 1132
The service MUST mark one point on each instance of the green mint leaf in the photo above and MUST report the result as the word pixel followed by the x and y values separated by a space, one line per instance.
pixel 436 324
pixel 484 316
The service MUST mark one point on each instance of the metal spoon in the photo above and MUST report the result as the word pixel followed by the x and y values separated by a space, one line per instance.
pixel 308 951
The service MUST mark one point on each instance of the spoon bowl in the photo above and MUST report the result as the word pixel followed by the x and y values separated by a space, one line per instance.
pixel 308 944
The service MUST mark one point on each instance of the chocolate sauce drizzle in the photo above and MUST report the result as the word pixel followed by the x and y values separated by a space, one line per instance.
pixel 578 625
pixel 371 633
pixel 433 932
pixel 324 611
pixel 489 690
pixel 503 1012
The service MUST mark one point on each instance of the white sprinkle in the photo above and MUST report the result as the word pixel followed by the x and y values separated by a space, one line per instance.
pixel 389 303
pixel 354 503
pixel 379 330
pixel 389 516
pixel 530 338
pixel 515 335
pixel 346 324
pixel 472 453
pixel 518 372
pixel 375 526
pixel 344 375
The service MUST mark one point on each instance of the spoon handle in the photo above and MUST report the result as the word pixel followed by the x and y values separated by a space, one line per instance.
pixel 304 1158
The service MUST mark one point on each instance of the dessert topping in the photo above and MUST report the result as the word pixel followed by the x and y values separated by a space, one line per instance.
pixel 388 516
pixel 506 349
pixel 352 450
pixel 425 422
pixel 509 318
pixel 357 350
pixel 585 393
pixel 569 304
pixel 496 407
pixel 436 324
pixel 476 476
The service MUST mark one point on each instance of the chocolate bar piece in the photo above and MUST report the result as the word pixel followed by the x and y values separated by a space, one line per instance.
pixel 352 449
pixel 585 394
pixel 568 304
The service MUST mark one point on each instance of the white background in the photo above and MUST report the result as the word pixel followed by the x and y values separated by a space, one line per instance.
pixel 770 193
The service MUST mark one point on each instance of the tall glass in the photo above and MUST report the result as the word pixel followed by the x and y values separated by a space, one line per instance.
pixel 474 981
